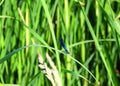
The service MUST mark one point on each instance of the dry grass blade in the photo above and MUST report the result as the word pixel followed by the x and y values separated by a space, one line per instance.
pixel 51 73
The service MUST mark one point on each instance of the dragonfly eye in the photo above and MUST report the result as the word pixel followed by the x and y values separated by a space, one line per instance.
pixel 64 46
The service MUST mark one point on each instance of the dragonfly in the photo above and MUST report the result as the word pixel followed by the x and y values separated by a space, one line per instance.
pixel 63 45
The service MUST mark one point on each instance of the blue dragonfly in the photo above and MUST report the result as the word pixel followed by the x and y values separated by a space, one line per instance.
pixel 63 45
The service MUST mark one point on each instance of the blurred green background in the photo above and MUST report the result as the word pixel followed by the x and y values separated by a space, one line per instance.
pixel 32 28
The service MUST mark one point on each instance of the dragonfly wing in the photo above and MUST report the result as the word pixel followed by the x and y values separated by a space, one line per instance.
pixel 64 46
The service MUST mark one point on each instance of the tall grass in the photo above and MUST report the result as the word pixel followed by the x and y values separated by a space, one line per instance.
pixel 31 29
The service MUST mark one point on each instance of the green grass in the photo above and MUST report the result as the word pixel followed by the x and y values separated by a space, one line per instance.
pixel 30 52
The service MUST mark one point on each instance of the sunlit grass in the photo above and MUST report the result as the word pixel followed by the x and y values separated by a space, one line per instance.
pixel 32 29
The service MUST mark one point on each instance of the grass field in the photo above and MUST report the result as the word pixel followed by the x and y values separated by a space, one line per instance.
pixel 30 49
